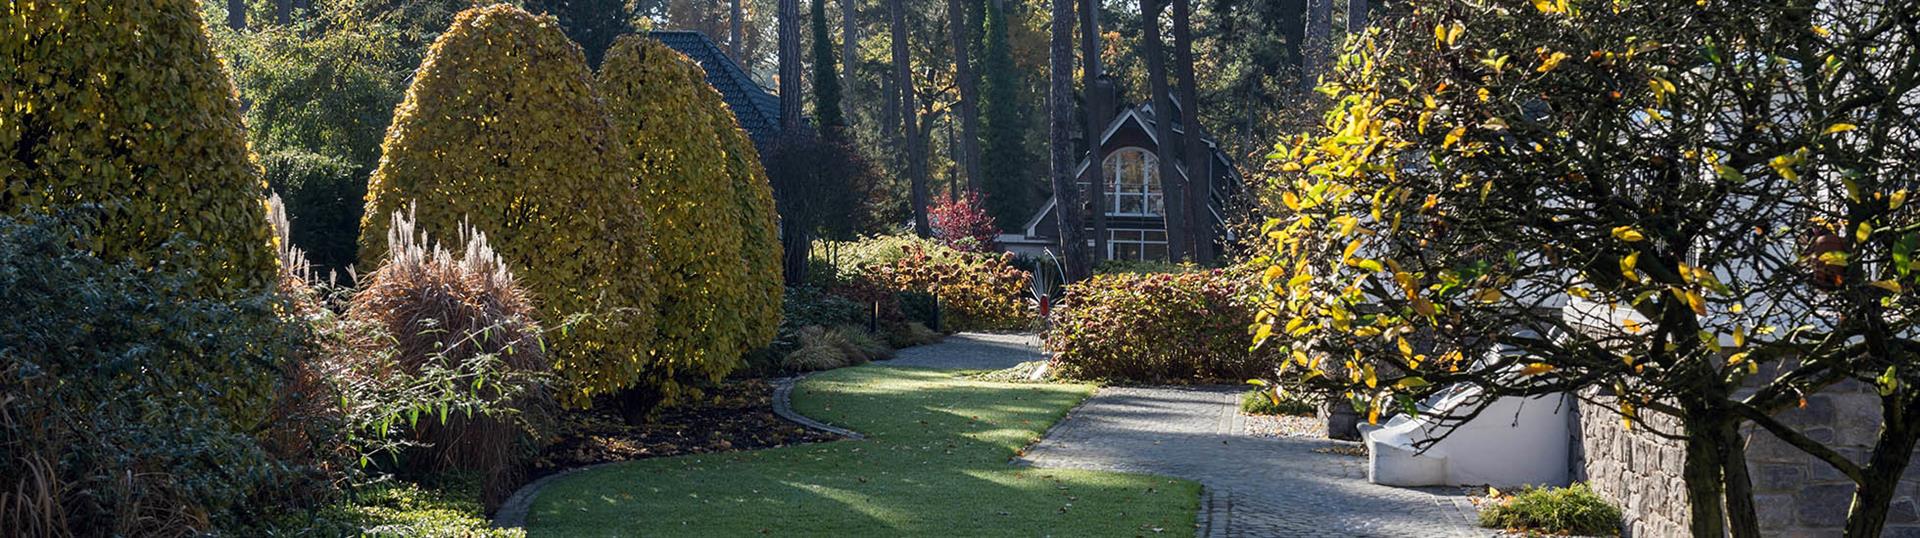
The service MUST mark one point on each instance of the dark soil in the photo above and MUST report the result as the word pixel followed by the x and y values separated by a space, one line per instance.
pixel 737 415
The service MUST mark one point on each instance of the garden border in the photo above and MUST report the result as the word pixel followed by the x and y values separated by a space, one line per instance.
pixel 513 512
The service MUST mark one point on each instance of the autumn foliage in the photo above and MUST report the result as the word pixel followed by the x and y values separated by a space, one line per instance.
pixel 121 108
pixel 1158 328
pixel 962 223
pixel 504 130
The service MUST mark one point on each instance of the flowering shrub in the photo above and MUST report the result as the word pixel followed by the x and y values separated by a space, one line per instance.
pixel 1166 327
pixel 976 290
pixel 961 223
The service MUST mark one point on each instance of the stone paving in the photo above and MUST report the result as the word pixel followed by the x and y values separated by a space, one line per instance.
pixel 1254 486
pixel 972 351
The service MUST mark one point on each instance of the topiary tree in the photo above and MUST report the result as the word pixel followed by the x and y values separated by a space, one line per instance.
pixel 760 249
pixel 121 106
pixel 502 129
pixel 683 182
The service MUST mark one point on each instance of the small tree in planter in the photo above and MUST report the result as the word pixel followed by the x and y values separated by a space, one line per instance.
pixel 1663 168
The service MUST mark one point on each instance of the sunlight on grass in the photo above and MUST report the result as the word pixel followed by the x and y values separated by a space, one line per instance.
pixel 935 463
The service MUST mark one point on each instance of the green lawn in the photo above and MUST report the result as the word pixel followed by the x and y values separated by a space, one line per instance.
pixel 934 464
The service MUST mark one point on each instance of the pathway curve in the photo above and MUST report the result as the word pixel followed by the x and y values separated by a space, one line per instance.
pixel 1255 486
pixel 972 351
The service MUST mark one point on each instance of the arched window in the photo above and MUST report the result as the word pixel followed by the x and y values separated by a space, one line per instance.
pixel 1133 183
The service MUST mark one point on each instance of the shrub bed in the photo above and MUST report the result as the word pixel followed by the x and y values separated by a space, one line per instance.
pixel 1574 509
pixel 976 290
pixel 1157 328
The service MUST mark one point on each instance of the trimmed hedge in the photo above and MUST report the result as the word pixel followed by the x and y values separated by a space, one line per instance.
pixel 121 106
pixel 652 92
pixel 760 251
pixel 1157 328
pixel 503 129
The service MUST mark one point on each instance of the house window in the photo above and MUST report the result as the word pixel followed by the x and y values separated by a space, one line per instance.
pixel 1137 245
pixel 1133 184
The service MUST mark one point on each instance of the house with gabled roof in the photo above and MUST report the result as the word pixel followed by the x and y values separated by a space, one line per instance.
pixel 1132 195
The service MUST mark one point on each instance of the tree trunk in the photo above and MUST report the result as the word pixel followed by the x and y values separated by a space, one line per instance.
pixel 1199 182
pixel 1867 517
pixel 237 14
pixel 1704 461
pixel 735 33
pixel 903 75
pixel 1097 112
pixel 849 44
pixel 794 246
pixel 1319 42
pixel 968 152
pixel 1356 16
pixel 1742 520
pixel 1073 243
pixel 283 12
pixel 791 96
pixel 1171 187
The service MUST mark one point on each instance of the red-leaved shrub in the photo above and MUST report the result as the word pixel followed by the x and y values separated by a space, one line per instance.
pixel 1157 328
pixel 961 223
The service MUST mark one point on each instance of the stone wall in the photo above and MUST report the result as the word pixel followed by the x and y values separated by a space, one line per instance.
pixel 1795 494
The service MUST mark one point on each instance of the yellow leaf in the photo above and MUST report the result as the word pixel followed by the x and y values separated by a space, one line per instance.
pixel 1406 348
pixel 1840 128
pixel 1626 267
pixel 1551 62
pixel 1372 380
pixel 1346 254
pixel 1272 273
pixel 1737 358
pixel 1536 369
pixel 1835 258
pixel 1454 31
pixel 1698 303
pixel 1292 200
pixel 1861 233
pixel 1888 285
pixel 1628 234
pixel 1489 295
pixel 1453 136
pixel 1898 199
pixel 1260 334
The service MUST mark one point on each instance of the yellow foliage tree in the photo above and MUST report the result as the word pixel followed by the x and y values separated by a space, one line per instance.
pixel 503 129
pixel 760 241
pixel 653 93
pixel 120 105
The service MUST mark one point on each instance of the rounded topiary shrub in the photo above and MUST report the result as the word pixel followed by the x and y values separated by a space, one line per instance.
pixel 761 292
pixel 652 93
pixel 120 106
pixel 1158 328
pixel 503 129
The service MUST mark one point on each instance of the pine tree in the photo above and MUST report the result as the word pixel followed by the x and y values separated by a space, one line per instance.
pixel 827 114
pixel 1007 160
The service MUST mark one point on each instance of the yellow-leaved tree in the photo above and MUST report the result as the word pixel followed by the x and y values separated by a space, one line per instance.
pixel 652 92
pixel 503 129
pixel 121 107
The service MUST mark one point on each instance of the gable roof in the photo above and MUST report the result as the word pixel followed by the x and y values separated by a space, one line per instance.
pixel 757 109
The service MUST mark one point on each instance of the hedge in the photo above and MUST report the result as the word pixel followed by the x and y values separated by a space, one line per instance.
pixel 1157 328
pixel 651 90
pixel 503 129
pixel 120 106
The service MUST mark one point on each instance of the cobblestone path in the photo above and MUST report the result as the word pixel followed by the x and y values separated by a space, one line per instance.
pixel 1254 486
pixel 972 351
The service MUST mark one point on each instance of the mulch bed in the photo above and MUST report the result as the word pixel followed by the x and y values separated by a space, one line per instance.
pixel 1286 426
pixel 737 415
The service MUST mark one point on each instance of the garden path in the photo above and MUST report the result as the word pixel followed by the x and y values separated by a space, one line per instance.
pixel 972 351
pixel 1255 486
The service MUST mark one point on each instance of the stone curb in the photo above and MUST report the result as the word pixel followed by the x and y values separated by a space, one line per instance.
pixel 513 512
pixel 783 406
